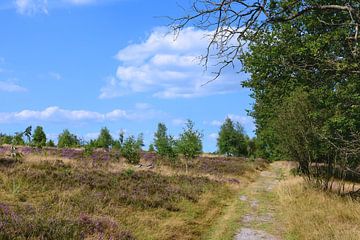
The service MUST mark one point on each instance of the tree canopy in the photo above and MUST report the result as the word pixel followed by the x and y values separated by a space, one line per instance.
pixel 232 140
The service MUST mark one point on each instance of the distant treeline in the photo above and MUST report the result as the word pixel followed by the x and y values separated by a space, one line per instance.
pixel 231 141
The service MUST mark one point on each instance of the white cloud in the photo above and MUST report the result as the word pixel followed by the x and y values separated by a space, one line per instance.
pixel 55 75
pixel 142 106
pixel 30 7
pixel 178 122
pixel 216 123
pixel 57 114
pixel 168 67
pixel 243 120
pixel 213 136
pixel 11 87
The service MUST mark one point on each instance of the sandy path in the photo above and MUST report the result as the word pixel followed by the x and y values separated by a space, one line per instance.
pixel 258 198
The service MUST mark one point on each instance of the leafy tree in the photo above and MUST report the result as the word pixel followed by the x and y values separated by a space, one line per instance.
pixel 232 140
pixel 105 139
pixel 50 143
pixel 39 137
pixel 67 140
pixel 189 143
pixel 151 148
pixel 304 59
pixel 5 139
pixel 131 149
pixel 165 145
pixel 18 139
pixel 161 140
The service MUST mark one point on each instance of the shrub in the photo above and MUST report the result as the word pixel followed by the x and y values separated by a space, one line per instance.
pixel 232 140
pixel 50 143
pixel 164 144
pixel 67 139
pixel 39 137
pixel 105 139
pixel 131 149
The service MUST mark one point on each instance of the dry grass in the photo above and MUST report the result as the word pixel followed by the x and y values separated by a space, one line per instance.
pixel 44 198
pixel 307 213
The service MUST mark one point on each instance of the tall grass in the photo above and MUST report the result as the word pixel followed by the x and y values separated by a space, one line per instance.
pixel 307 213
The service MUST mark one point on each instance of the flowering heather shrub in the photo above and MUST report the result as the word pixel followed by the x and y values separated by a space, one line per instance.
pixel 4 150
pixel 142 189
pixel 30 224
pixel 224 165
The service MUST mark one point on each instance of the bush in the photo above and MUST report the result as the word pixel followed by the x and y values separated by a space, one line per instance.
pixel 164 144
pixel 131 149
pixel 67 140
pixel 232 140
pixel 105 139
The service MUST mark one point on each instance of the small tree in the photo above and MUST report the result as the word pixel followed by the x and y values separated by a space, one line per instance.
pixel 105 139
pixel 189 143
pixel 151 148
pixel 131 149
pixel 50 143
pixel 165 145
pixel 161 140
pixel 232 140
pixel 18 140
pixel 67 139
pixel 39 137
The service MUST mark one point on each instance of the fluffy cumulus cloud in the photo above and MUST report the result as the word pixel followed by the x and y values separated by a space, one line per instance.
pixel 57 114
pixel 168 67
pixel 29 7
pixel 11 87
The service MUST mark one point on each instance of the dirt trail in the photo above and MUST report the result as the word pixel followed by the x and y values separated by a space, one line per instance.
pixel 258 198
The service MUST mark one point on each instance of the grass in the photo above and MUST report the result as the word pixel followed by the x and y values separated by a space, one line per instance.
pixel 64 200
pixel 307 213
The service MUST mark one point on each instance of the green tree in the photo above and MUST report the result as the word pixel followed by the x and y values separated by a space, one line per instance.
pixel 50 143
pixel 151 148
pixel 39 137
pixel 131 149
pixel 105 139
pixel 5 139
pixel 189 143
pixel 232 140
pixel 68 140
pixel 304 59
pixel 165 145
pixel 161 140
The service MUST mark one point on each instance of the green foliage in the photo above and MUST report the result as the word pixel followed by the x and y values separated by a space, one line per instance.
pixel 50 143
pixel 232 140
pixel 105 139
pixel 165 145
pixel 67 140
pixel 189 143
pixel 5 139
pixel 151 148
pixel 131 149
pixel 305 80
pixel 39 137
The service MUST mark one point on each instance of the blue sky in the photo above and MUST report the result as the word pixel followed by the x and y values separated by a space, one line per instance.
pixel 85 64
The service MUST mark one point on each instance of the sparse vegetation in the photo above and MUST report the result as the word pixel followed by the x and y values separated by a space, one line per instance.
pixel 52 199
